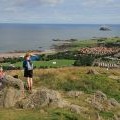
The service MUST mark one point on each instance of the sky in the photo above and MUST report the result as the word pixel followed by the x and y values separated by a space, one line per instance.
pixel 60 11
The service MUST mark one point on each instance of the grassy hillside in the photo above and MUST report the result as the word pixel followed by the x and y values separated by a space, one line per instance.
pixel 76 78
pixel 71 79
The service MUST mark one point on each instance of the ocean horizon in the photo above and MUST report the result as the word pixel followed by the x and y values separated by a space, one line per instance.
pixel 22 36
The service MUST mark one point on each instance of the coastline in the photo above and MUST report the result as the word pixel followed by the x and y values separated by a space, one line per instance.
pixel 73 45
pixel 21 53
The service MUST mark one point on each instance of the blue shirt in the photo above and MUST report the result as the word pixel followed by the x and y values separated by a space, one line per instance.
pixel 27 64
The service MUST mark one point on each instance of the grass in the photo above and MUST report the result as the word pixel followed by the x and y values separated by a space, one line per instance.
pixel 66 79
pixel 91 43
pixel 111 40
pixel 82 44
pixel 75 78
pixel 107 115
pixel 49 114
pixel 59 63
pixel 11 114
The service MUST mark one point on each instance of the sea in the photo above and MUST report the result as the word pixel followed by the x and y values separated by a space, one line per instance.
pixel 40 36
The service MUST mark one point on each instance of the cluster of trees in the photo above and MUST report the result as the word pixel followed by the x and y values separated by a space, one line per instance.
pixel 12 60
pixel 85 60
pixel 71 55
pixel 11 68
pixel 80 59
pixel 115 44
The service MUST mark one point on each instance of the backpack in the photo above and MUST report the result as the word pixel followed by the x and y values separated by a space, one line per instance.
pixel 27 64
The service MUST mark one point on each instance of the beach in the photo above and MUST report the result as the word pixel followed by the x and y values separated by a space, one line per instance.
pixel 21 54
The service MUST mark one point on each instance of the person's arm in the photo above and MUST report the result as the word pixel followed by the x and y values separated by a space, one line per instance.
pixel 24 64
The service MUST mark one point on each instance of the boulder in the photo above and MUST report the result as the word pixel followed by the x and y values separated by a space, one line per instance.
pixel 100 96
pixel 98 106
pixel 43 97
pixel 11 92
pixel 75 94
pixel 113 102
pixel 11 97
pixel 77 109
pixel 14 82
pixel 97 100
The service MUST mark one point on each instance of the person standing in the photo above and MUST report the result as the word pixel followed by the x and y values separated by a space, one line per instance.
pixel 28 70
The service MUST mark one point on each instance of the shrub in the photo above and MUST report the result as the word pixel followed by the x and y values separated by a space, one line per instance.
pixel 84 61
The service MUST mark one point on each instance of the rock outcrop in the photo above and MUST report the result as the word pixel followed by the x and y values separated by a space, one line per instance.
pixel 75 94
pixel 10 96
pixel 100 101
pixel 113 102
pixel 43 97
pixel 11 92
pixel 14 82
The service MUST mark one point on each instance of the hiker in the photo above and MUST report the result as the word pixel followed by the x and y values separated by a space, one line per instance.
pixel 2 75
pixel 28 71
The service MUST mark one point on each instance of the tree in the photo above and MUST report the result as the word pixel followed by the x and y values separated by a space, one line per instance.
pixel 84 60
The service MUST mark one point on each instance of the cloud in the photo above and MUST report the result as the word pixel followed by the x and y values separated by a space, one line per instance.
pixel 31 2
pixel 50 2
pixel 99 3
pixel 58 11
pixel 14 5
pixel 36 2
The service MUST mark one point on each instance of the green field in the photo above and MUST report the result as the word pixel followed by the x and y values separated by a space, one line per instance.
pixel 59 63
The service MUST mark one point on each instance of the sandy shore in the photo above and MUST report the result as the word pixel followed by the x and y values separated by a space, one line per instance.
pixel 16 54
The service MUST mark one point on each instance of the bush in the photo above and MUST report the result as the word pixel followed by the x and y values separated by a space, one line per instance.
pixel 12 60
pixel 84 61
pixel 71 55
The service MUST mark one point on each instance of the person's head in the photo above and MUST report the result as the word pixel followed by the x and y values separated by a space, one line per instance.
pixel 27 56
